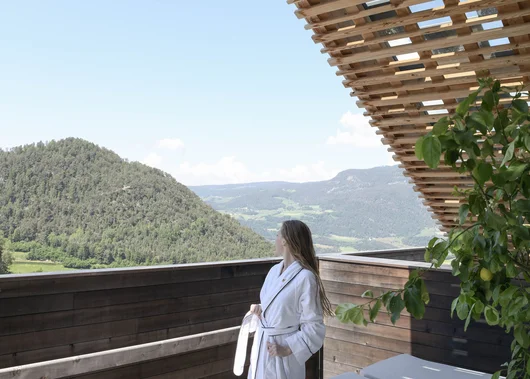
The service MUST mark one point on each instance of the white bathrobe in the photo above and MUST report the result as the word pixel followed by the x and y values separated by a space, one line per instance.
pixel 291 316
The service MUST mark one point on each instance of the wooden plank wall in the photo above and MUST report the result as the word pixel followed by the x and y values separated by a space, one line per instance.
pixel 50 316
pixel 437 337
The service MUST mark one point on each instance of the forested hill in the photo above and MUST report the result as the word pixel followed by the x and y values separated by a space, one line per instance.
pixel 75 197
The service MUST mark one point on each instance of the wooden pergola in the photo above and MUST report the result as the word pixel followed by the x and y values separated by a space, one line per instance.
pixel 409 62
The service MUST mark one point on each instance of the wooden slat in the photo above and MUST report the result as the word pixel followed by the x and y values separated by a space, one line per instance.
pixel 441 59
pixel 413 18
pixel 485 35
pixel 329 6
pixel 471 67
pixel 364 13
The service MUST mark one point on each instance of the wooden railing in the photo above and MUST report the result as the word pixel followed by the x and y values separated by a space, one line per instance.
pixel 51 316
pixel 436 338
pixel 137 322
pixel 206 355
pixel 409 254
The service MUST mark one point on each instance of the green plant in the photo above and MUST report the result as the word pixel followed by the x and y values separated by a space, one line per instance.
pixel 489 142
pixel 6 258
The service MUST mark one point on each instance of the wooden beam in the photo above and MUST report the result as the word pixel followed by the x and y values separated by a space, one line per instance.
pixel 362 14
pixel 418 107
pixel 441 59
pixel 327 7
pixel 417 98
pixel 360 44
pixel 484 35
pixel 422 85
pixel 414 18
pixel 471 67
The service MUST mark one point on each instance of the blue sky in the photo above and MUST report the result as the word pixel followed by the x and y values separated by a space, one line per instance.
pixel 209 92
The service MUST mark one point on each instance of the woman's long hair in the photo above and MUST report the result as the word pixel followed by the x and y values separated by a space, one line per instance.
pixel 298 237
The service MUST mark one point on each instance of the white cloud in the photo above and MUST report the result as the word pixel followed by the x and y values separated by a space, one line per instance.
pixel 307 173
pixel 225 171
pixel 391 161
pixel 170 143
pixel 229 170
pixel 356 131
pixel 153 160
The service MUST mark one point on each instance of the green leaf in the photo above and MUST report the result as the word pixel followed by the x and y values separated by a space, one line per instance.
pixel 483 172
pixel 483 118
pixel 495 221
pixel 522 205
pixel 455 264
pixel 463 107
pixel 526 141
pixel 453 306
pixel 459 124
pixel 375 310
pixel 396 307
pixel 418 148
pixel 497 375
pixel 496 86
pixel 427 255
pixel 424 293
pixel 432 151
pixel 487 148
pixel 342 311
pixel 487 101
pixel 521 335
pixel 510 270
pixel 468 319
pixel 462 310
pixel 350 313
pixel 386 299
pixel 496 295
pixel 413 300
pixel 492 315
pixel 506 295
pixel 439 253
pixel 515 170
pixel 479 307
pixel 450 157
pixel 520 105
pixel 509 153
pixel 368 293
pixel 463 211
pixel 441 126
pixel 432 241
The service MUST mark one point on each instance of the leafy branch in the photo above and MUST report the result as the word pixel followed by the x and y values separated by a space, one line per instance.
pixel 489 141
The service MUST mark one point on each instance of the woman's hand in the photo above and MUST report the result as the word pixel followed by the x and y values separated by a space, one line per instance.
pixel 256 309
pixel 278 350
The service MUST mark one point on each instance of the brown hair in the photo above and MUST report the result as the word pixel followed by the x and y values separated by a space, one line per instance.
pixel 298 237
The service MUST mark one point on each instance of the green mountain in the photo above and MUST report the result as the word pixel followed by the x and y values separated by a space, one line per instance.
pixel 73 201
pixel 357 210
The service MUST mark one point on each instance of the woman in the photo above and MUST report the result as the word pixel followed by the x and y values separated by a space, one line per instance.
pixel 290 327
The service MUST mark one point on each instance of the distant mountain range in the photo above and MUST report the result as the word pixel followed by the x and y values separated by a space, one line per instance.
pixel 357 210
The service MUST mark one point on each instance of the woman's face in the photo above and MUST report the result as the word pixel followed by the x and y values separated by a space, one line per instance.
pixel 279 244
